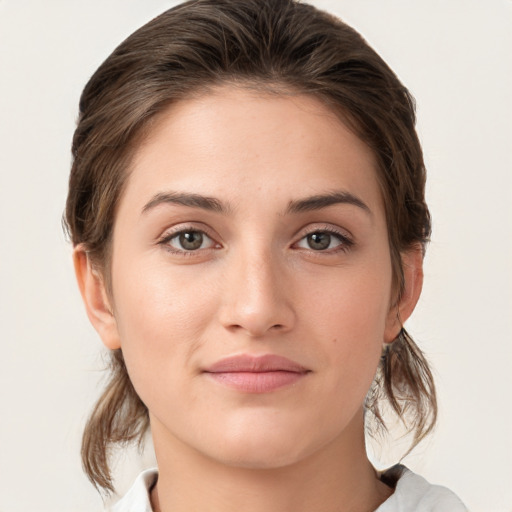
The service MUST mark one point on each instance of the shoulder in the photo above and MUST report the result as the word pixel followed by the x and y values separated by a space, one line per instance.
pixel 413 492
pixel 137 498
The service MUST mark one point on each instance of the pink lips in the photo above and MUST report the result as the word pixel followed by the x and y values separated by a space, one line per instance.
pixel 260 374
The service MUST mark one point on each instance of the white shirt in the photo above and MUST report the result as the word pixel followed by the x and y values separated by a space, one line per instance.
pixel 412 494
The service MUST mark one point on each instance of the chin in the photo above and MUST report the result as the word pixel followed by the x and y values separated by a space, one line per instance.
pixel 263 457
pixel 267 447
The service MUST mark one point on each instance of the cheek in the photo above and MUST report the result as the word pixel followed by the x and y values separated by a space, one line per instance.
pixel 161 316
pixel 348 315
pixel 156 298
pixel 354 303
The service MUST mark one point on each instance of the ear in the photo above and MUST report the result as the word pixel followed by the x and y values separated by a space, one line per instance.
pixel 95 298
pixel 412 265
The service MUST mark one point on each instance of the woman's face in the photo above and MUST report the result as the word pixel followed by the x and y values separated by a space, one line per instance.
pixel 251 277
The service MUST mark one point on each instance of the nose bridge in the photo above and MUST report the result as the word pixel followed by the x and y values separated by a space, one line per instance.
pixel 256 298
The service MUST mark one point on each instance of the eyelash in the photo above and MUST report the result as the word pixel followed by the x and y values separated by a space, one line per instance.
pixel 345 245
pixel 166 239
pixel 345 242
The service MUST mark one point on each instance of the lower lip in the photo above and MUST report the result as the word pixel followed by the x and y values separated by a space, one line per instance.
pixel 257 382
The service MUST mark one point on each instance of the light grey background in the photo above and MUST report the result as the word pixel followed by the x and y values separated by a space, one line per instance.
pixel 455 56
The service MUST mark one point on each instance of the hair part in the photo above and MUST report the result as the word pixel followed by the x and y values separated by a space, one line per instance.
pixel 277 45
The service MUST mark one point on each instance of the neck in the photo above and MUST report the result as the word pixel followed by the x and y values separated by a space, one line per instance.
pixel 336 478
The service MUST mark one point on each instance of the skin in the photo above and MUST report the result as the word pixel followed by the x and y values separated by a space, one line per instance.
pixel 255 286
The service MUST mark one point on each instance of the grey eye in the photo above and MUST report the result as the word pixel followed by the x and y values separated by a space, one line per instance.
pixel 319 241
pixel 322 241
pixel 191 240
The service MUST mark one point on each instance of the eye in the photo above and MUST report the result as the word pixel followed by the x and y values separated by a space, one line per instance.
pixel 323 241
pixel 188 240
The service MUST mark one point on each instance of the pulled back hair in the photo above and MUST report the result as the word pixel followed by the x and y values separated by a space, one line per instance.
pixel 279 45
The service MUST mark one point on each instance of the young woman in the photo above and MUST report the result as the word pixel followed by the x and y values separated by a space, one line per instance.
pixel 247 208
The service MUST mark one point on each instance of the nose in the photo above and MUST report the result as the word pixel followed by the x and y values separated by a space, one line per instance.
pixel 257 295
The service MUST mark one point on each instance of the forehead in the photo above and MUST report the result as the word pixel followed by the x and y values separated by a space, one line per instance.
pixel 242 143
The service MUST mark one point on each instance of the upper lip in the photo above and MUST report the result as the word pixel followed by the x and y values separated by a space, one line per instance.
pixel 255 364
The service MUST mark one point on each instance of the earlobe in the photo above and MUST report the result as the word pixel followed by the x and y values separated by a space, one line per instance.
pixel 96 301
pixel 412 265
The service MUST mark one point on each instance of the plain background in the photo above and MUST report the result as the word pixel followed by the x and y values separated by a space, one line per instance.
pixel 455 57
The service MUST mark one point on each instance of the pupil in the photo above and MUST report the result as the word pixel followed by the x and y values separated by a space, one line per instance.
pixel 191 240
pixel 319 241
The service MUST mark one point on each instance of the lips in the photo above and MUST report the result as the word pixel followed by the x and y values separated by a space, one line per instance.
pixel 260 374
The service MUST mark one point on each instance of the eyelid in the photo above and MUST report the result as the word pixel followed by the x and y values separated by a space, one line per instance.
pixel 346 238
pixel 176 230
pixel 324 227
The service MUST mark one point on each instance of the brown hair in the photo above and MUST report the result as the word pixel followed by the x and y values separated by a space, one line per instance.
pixel 278 44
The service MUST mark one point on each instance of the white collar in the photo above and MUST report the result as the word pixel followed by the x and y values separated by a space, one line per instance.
pixel 412 493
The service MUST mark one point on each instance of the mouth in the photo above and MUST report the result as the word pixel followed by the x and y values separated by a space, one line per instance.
pixel 261 374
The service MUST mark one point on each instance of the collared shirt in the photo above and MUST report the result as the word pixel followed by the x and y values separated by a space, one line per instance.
pixel 412 494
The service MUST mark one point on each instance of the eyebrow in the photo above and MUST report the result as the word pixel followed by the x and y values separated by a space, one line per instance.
pixel 317 202
pixel 186 199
